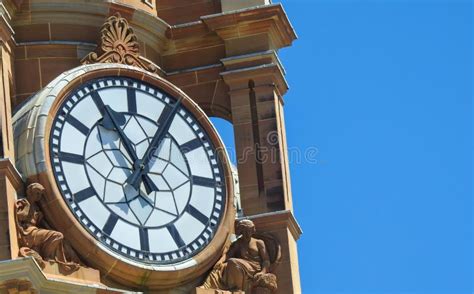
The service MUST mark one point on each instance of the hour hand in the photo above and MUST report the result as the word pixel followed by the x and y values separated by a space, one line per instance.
pixel 113 121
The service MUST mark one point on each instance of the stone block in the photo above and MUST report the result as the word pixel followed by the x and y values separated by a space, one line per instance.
pixel 52 67
pixel 195 58
pixel 39 51
pixel 52 270
pixel 229 5
pixel 73 32
pixel 27 76
pixel 172 11
pixel 31 33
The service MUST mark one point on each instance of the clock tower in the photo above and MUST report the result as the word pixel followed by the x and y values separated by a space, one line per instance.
pixel 114 179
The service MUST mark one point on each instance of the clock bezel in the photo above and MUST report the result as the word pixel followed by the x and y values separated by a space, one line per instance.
pixel 165 257
pixel 58 213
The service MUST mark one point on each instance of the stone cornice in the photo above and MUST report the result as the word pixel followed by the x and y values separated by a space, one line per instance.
pixel 271 19
pixel 8 170
pixel 227 24
pixel 278 219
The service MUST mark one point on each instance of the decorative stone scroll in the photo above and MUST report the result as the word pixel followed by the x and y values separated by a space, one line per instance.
pixel 119 44
pixel 44 245
pixel 249 263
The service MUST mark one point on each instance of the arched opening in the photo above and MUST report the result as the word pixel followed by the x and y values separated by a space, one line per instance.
pixel 226 132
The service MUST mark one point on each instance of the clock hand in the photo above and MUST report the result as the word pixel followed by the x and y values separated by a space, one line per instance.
pixel 135 178
pixel 113 120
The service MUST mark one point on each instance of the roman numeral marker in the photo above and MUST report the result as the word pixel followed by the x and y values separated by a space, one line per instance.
pixel 197 214
pixel 78 125
pixel 164 115
pixel 110 224
pixel 205 182
pixel 175 235
pixel 190 145
pixel 84 194
pixel 98 101
pixel 70 157
pixel 144 241
pixel 132 100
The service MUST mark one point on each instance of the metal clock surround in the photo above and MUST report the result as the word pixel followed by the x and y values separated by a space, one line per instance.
pixel 33 124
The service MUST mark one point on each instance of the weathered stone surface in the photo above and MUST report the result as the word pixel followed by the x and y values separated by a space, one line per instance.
pixel 219 52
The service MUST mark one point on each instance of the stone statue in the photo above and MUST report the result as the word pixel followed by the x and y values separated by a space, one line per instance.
pixel 248 264
pixel 42 244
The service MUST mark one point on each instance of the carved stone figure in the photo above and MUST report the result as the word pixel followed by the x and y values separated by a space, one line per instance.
pixel 248 264
pixel 42 244
pixel 119 44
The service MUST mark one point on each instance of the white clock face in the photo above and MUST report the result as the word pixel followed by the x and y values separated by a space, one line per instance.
pixel 137 170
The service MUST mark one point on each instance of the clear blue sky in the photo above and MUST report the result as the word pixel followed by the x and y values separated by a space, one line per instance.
pixel 383 89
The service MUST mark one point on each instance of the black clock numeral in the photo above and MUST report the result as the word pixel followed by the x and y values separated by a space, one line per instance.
pixel 205 182
pixel 164 115
pixel 197 214
pixel 84 194
pixel 71 157
pixel 110 224
pixel 78 125
pixel 175 235
pixel 190 145
pixel 132 100
pixel 144 241
pixel 98 101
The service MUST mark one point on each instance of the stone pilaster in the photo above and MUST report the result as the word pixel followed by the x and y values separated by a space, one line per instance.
pixel 6 83
pixel 283 225
pixel 257 116
pixel 10 184
pixel 10 180
pixel 256 93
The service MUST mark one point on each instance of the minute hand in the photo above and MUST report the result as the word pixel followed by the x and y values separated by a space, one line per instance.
pixel 135 178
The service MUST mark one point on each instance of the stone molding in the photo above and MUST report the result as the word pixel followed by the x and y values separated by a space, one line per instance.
pixel 237 62
pixel 8 170
pixel 270 75
pixel 26 270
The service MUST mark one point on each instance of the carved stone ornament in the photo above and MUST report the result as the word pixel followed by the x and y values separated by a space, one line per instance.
pixel 119 44
pixel 44 245
pixel 249 263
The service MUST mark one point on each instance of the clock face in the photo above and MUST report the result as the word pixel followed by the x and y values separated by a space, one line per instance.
pixel 137 170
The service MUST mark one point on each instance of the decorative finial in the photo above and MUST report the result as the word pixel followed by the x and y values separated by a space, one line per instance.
pixel 119 44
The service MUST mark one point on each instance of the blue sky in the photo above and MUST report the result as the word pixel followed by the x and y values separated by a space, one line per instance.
pixel 383 90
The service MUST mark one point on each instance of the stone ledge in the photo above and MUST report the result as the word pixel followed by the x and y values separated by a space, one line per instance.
pixel 213 291
pixel 8 170
pixel 26 269
pixel 229 21
pixel 277 219
pixel 52 271
pixel 234 62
